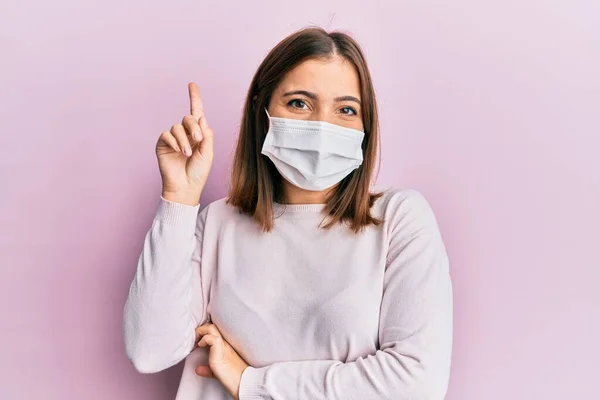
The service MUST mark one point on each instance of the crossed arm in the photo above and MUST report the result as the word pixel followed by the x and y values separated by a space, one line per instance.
pixel 415 335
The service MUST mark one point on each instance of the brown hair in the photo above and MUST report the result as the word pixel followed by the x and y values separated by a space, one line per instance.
pixel 255 182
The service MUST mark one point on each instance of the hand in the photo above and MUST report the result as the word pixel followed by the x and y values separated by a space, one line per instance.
pixel 185 154
pixel 224 363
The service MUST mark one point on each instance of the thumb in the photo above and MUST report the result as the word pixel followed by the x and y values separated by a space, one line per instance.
pixel 205 371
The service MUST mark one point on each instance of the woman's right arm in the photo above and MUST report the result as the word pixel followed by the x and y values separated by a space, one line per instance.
pixel 165 302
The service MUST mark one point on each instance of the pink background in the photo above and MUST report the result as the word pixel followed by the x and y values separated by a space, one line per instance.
pixel 492 111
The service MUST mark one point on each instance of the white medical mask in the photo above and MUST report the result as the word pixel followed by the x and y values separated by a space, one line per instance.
pixel 313 155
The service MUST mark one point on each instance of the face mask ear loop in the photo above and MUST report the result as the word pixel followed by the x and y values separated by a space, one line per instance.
pixel 269 119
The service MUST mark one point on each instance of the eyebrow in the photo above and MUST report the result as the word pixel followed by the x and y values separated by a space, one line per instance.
pixel 314 96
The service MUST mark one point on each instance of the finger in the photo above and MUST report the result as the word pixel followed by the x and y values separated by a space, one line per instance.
pixel 202 330
pixel 207 340
pixel 210 340
pixel 206 145
pixel 216 346
pixel 179 132
pixel 207 329
pixel 192 127
pixel 170 141
pixel 205 371
pixel 196 106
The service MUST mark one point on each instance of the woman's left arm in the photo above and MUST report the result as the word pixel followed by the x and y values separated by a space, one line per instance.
pixel 415 331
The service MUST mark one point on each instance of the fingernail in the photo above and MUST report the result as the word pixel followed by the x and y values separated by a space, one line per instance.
pixel 197 135
pixel 188 151
pixel 203 122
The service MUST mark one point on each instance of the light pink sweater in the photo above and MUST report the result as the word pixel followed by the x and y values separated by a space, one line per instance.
pixel 317 314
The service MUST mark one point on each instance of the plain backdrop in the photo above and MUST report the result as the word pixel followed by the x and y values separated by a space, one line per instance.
pixel 490 108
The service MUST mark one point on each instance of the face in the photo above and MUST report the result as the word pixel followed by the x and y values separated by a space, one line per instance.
pixel 320 90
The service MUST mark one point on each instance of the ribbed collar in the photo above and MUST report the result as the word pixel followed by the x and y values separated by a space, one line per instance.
pixel 298 209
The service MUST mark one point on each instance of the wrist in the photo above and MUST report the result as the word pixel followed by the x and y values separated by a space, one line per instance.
pixel 187 198
pixel 236 383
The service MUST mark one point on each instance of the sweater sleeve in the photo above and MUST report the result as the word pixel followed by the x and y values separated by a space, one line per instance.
pixel 165 302
pixel 415 329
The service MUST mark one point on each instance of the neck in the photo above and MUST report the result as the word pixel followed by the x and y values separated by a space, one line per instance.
pixel 295 195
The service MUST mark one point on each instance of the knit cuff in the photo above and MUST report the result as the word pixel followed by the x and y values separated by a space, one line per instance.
pixel 177 214
pixel 252 385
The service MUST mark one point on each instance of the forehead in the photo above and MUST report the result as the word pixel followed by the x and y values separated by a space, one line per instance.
pixel 328 78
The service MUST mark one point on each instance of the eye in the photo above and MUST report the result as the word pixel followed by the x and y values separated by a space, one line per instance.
pixel 348 111
pixel 297 103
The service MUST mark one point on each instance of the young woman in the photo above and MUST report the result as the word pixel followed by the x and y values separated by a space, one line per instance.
pixel 302 283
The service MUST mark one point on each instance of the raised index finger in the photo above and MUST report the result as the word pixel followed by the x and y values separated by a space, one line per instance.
pixel 196 107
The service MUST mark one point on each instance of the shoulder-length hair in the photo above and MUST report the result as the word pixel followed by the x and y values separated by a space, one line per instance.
pixel 255 182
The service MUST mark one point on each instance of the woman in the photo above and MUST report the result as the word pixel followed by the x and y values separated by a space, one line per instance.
pixel 302 284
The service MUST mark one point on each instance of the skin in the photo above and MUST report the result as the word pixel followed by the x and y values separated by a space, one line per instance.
pixel 333 96
pixel 317 90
